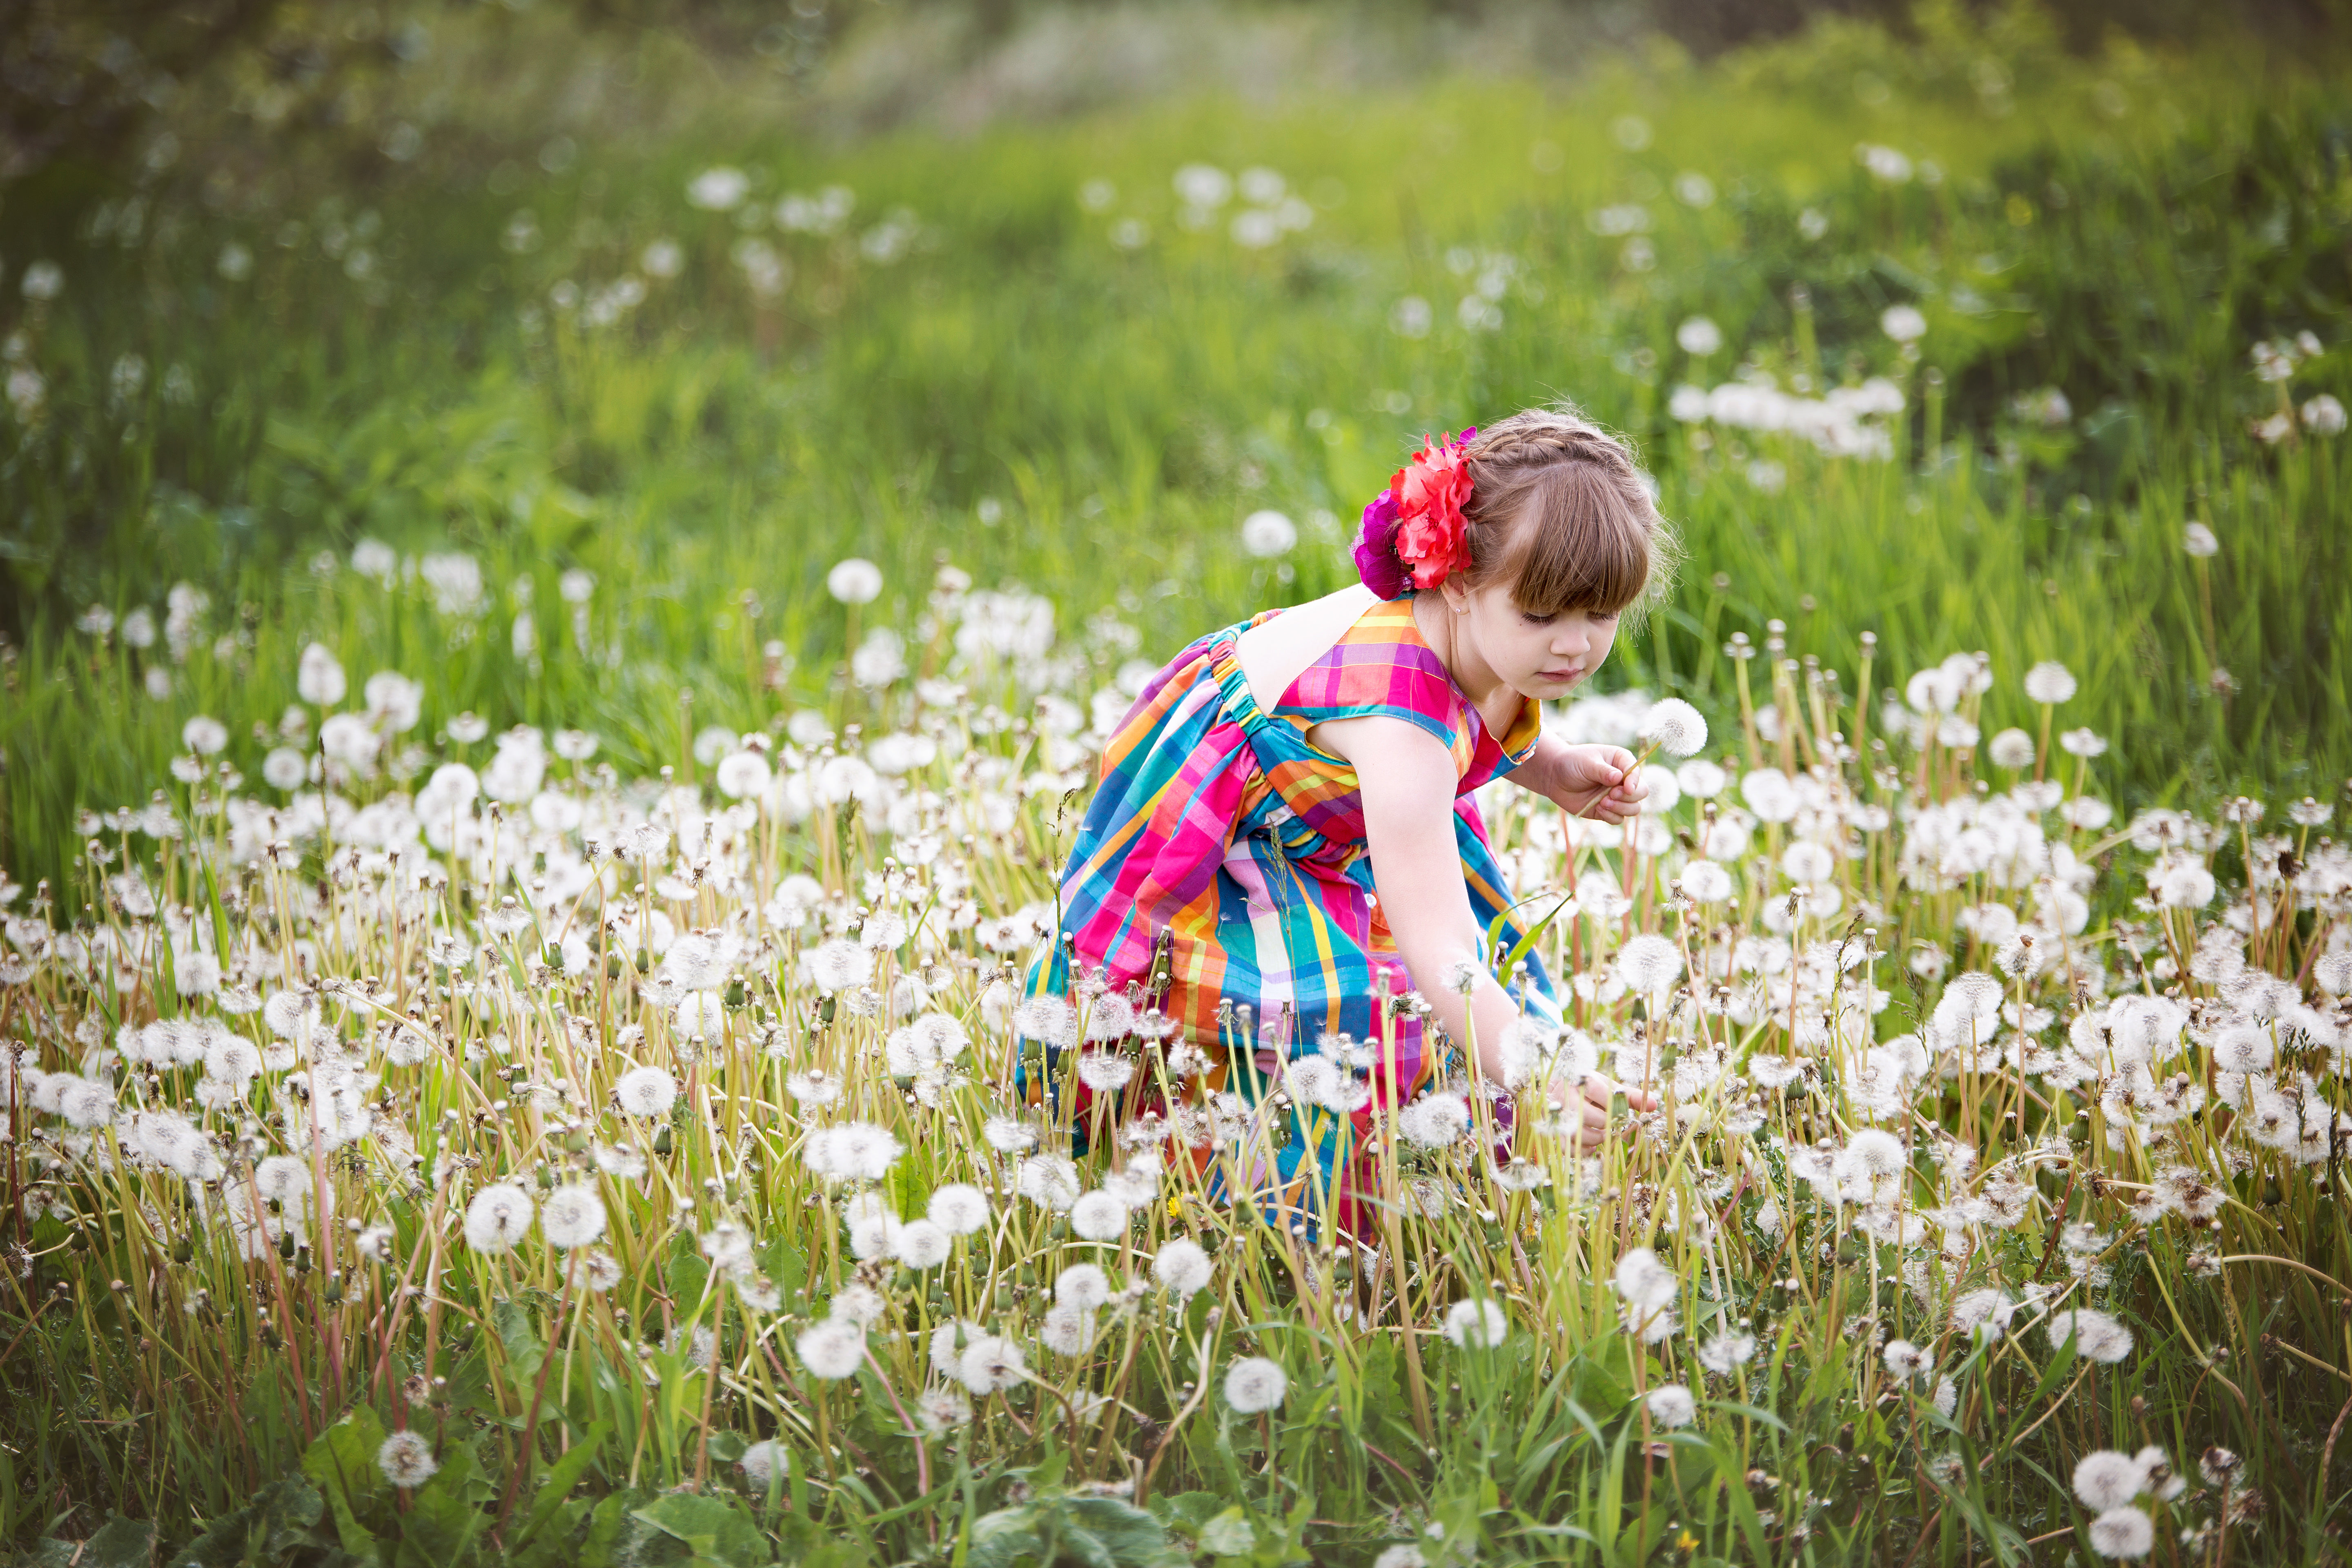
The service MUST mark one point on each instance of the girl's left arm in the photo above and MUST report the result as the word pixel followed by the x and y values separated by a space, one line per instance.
pixel 1597 782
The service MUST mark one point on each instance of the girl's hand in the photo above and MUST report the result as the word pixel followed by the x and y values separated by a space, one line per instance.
pixel 1591 1099
pixel 1601 783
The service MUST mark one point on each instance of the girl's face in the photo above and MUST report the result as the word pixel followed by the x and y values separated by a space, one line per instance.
pixel 1541 657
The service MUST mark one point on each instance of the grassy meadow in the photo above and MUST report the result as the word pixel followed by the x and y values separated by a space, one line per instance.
pixel 513 949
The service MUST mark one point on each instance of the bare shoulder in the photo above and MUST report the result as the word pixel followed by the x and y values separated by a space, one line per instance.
pixel 1274 655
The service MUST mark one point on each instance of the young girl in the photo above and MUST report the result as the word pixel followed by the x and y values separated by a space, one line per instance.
pixel 1285 831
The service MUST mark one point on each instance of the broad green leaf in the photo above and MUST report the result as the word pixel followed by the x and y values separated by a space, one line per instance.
pixel 562 1477
pixel 710 1528
pixel 341 1462
pixel 520 1338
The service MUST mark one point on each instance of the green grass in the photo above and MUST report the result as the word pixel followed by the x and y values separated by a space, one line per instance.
pixel 2123 232
pixel 1021 398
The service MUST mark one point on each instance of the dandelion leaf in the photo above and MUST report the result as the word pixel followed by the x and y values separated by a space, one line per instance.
pixel 1101 1533
pixel 341 1462
pixel 562 1477
pixel 447 1513
pixel 520 1340
pixel 714 1531
pixel 119 1543
pixel 282 1515
pixel 1188 1511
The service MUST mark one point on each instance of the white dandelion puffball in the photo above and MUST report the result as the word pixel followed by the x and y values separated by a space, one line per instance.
pixel 1644 1281
pixel 2011 748
pixel 1082 1285
pixel 762 1461
pixel 1671 1405
pixel 856 580
pixel 838 966
pixel 2106 1479
pixel 1066 1330
pixel 2200 540
pixel 1182 1266
pixel 1254 1384
pixel 1705 882
pixel 718 189
pixel 990 1364
pixel 2123 1532
pixel 320 676
pixel 1699 336
pixel 922 1244
pixel 959 1208
pixel 832 1350
pixel 498 1217
pixel 1477 1324
pixel 2097 1336
pixel 1268 533
pixel 1904 323
pixel 1906 1360
pixel 740 775
pixel 203 735
pixel 1098 1217
pixel 647 1091
pixel 1674 727
pixel 571 1217
pixel 2049 683
pixel 406 1460
pixel 1650 964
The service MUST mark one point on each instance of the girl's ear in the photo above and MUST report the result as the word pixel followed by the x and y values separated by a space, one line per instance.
pixel 1457 598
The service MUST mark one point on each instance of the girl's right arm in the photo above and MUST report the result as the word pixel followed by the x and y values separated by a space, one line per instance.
pixel 1408 779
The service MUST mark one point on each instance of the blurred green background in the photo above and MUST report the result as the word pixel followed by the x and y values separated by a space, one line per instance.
pixel 697 299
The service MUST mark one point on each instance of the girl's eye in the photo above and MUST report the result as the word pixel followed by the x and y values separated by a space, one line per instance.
pixel 1534 620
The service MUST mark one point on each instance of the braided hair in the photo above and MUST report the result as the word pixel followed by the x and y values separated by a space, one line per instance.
pixel 1560 510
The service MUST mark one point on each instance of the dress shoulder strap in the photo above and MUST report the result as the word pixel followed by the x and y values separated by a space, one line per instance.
pixel 1380 666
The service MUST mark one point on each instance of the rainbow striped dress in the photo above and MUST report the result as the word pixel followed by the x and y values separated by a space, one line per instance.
pixel 1225 853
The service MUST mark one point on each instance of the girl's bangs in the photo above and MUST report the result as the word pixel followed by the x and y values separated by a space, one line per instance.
pixel 1582 544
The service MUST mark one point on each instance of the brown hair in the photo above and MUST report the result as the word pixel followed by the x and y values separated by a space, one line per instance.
pixel 1559 509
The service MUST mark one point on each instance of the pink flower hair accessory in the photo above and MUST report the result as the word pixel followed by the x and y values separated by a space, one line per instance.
pixel 1414 534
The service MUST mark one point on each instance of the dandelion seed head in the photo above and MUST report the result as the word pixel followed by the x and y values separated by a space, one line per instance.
pixel 923 1244
pixel 1067 1329
pixel 498 1217
pixel 2105 1478
pixel 1100 1216
pixel 1674 727
pixel 854 580
pixel 836 966
pixel 1644 1281
pixel 990 1364
pixel 571 1217
pixel 1476 1323
pixel 2123 1532
pixel 1182 1266
pixel 406 1460
pixel 762 1462
pixel 2050 683
pixel 1083 1285
pixel 2097 1336
pixel 1255 1383
pixel 1723 1351
pixel 960 1208
pixel 1671 1405
pixel 832 1350
pixel 645 1091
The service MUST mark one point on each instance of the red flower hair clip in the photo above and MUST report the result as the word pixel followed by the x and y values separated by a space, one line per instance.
pixel 1414 534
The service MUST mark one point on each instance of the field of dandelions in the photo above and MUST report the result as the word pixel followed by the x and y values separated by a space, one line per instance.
pixel 541 727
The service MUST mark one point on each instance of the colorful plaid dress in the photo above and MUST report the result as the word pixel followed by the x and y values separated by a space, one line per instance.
pixel 1225 845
